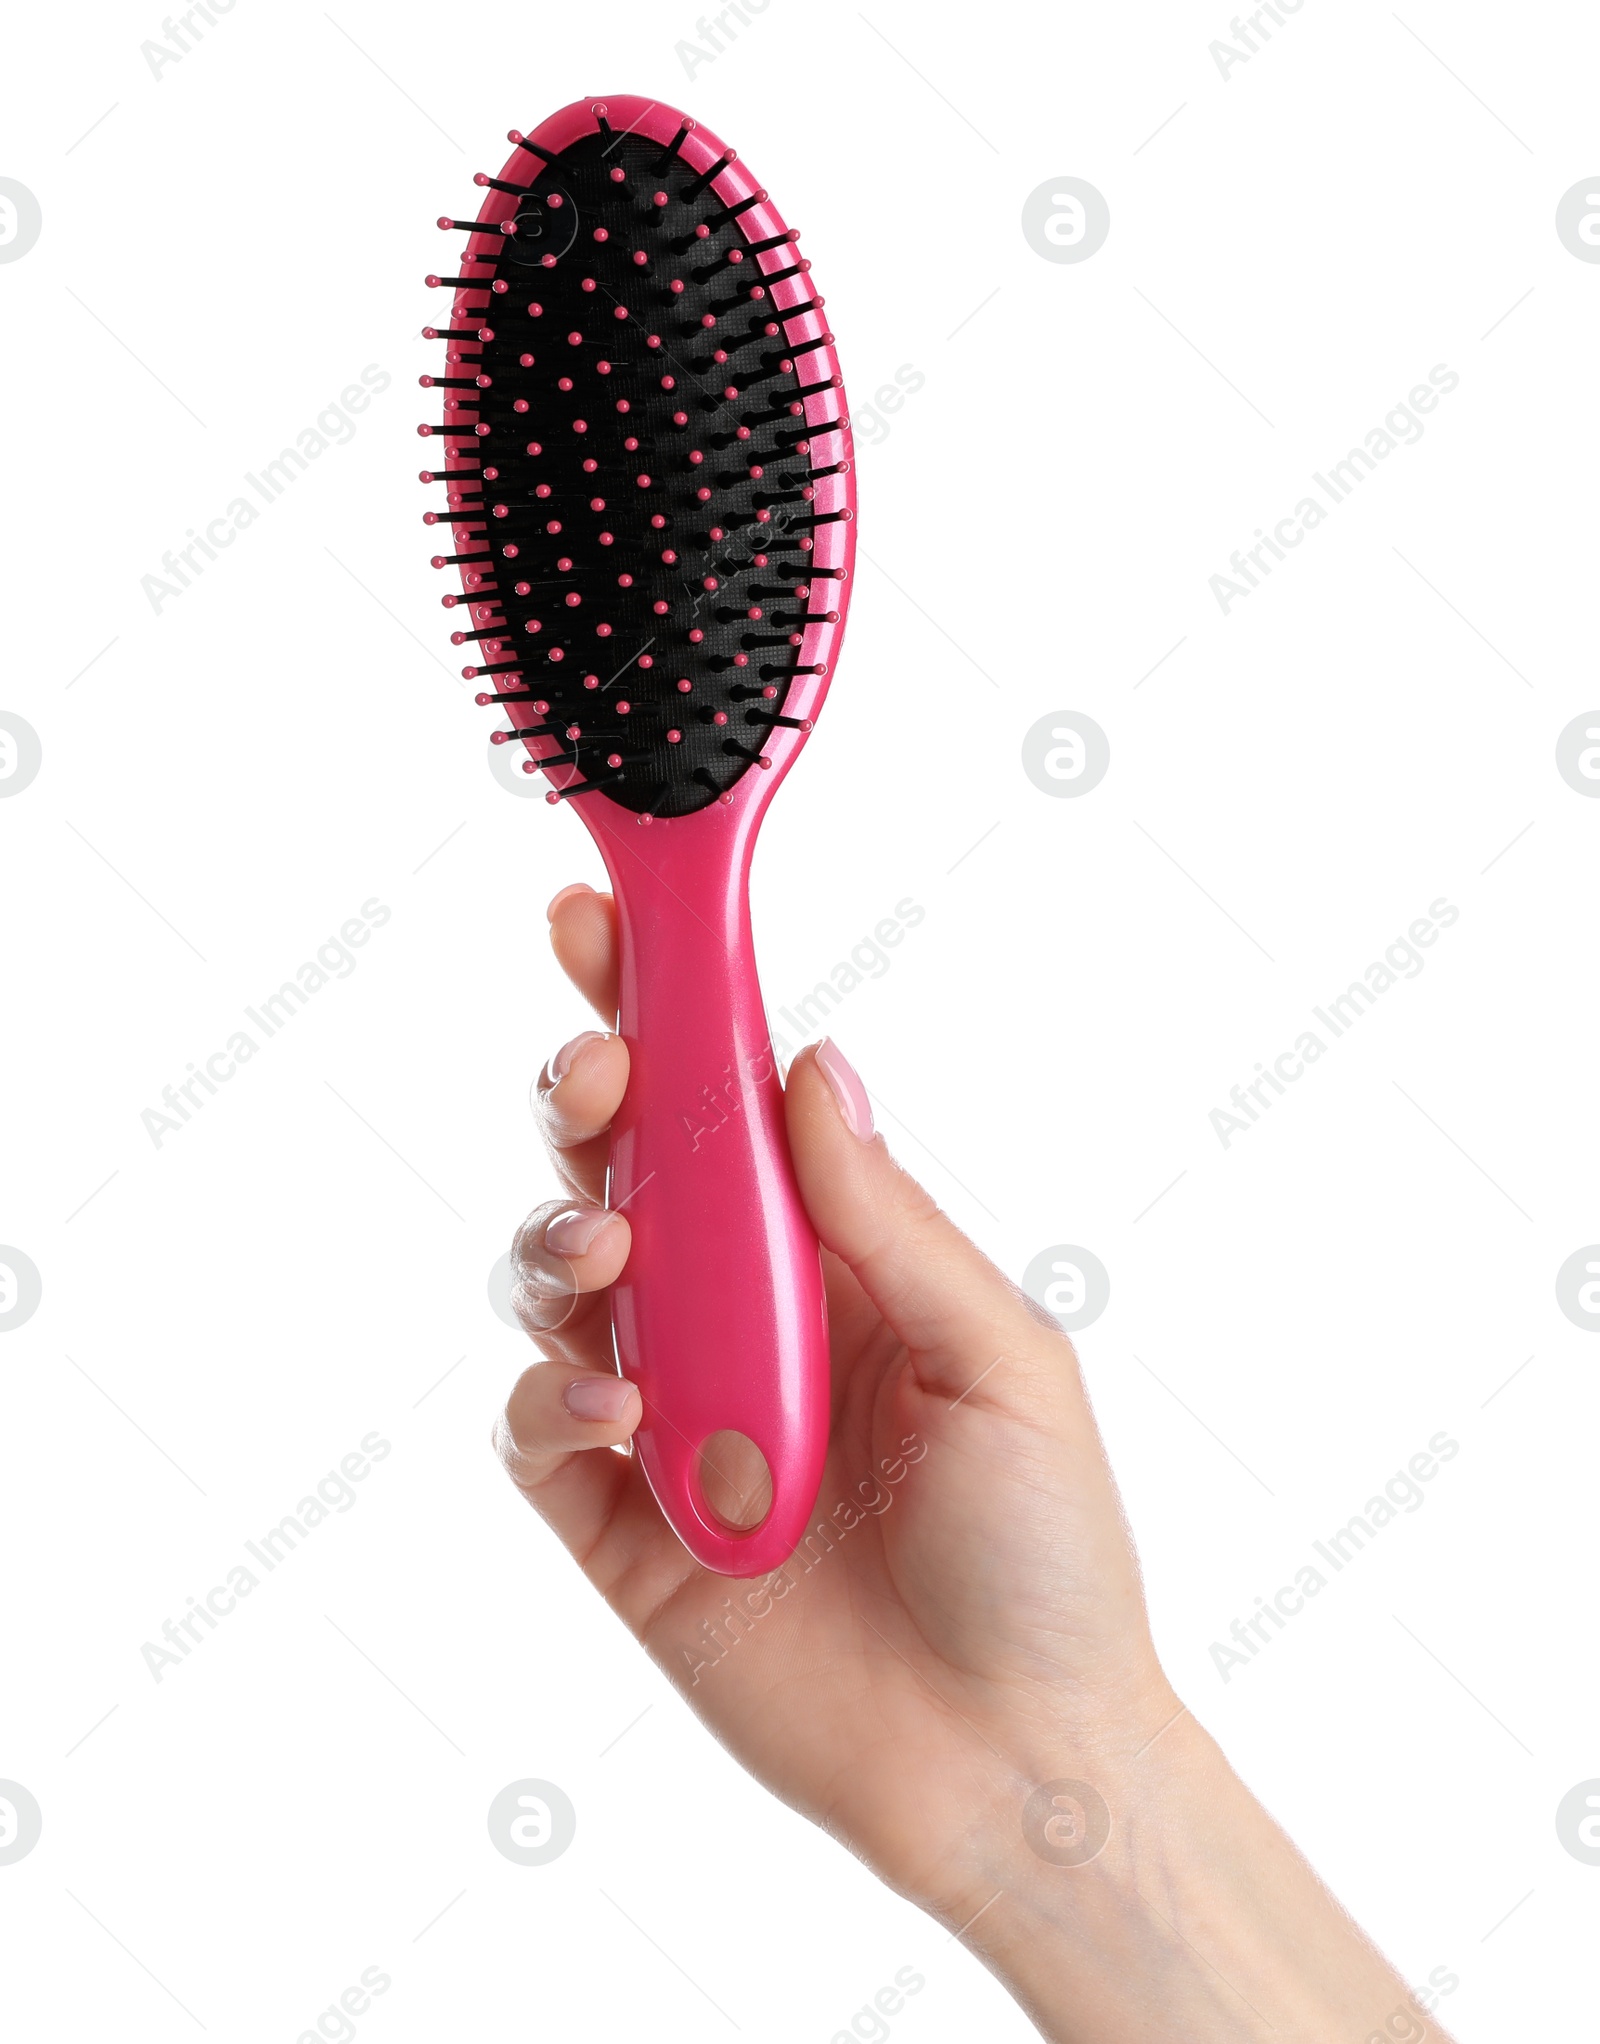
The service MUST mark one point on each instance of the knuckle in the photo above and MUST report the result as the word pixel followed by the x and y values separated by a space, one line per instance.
pixel 513 1454
pixel 515 1425
pixel 543 1308
pixel 515 1435
pixel 529 1235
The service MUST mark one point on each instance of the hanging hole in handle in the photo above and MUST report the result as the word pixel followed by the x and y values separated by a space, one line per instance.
pixel 735 1481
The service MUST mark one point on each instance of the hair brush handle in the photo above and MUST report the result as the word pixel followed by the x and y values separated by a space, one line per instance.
pixel 719 1314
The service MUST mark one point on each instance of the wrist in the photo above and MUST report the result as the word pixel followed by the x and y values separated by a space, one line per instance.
pixel 1131 1886
pixel 1093 1877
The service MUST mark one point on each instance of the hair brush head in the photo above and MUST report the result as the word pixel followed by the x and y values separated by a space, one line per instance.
pixel 647 460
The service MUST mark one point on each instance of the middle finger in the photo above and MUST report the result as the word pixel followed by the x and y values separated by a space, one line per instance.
pixel 575 1098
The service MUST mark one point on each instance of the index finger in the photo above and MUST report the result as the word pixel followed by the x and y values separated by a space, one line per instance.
pixel 583 935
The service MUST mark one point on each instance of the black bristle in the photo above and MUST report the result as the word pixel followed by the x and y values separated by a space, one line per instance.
pixel 712 171
pixel 670 151
pixel 731 213
pixel 575 533
pixel 583 788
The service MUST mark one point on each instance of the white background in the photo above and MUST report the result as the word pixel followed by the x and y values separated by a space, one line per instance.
pixel 225 782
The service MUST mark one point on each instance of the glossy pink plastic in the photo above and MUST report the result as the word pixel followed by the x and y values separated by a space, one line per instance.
pixel 719 1317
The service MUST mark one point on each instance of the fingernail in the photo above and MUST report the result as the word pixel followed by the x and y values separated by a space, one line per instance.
pixel 573 1234
pixel 602 1398
pixel 848 1090
pixel 561 1063
pixel 565 894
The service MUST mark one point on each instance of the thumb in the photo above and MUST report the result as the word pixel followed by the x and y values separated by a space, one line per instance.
pixel 937 1291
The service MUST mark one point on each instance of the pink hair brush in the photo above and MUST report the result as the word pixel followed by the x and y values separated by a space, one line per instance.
pixel 647 463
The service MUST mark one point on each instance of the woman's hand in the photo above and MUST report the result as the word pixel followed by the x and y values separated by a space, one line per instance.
pixel 970 1588
pixel 953 1674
